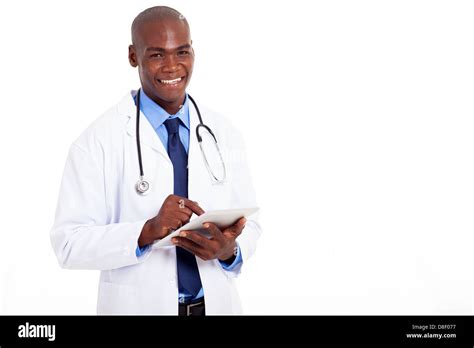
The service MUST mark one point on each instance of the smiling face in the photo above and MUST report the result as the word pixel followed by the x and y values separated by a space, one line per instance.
pixel 165 59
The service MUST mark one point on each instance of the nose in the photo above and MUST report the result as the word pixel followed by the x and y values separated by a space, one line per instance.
pixel 170 63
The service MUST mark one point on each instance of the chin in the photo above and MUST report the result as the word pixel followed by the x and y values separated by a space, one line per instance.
pixel 169 94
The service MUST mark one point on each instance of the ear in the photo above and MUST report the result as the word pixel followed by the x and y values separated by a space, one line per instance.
pixel 132 56
pixel 192 48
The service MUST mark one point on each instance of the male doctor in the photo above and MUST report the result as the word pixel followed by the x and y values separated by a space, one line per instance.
pixel 104 223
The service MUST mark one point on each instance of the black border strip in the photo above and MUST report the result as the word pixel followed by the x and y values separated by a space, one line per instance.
pixel 140 331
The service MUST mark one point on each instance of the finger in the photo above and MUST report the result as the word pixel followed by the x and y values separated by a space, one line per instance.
pixel 185 210
pixel 215 232
pixel 237 228
pixel 197 238
pixel 181 216
pixel 194 206
pixel 240 225
pixel 176 223
pixel 177 203
pixel 189 246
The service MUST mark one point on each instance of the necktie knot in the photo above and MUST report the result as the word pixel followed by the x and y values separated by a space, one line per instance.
pixel 172 125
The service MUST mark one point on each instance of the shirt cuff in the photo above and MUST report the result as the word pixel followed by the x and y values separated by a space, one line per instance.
pixel 237 261
pixel 140 251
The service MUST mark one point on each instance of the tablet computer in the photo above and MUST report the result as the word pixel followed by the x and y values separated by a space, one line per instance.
pixel 222 218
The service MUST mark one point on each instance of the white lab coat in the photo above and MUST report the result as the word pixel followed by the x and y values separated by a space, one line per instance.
pixel 100 216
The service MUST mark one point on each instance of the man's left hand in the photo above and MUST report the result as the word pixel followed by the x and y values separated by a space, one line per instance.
pixel 221 244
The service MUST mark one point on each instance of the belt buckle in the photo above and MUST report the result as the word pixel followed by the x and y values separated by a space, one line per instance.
pixel 189 306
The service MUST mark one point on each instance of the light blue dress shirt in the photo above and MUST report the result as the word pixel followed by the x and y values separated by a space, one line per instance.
pixel 156 115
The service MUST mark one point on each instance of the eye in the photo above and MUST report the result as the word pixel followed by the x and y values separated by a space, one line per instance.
pixel 183 53
pixel 156 55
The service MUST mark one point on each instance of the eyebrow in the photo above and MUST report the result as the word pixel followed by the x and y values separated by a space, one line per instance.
pixel 159 49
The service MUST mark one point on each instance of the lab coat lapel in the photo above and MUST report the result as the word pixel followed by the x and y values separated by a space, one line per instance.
pixel 148 136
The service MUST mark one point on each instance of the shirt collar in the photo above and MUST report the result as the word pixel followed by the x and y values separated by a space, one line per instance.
pixel 157 115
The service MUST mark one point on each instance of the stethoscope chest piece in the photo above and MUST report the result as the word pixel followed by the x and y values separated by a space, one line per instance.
pixel 142 186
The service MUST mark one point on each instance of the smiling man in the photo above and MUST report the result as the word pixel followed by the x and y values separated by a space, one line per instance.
pixel 164 56
pixel 107 220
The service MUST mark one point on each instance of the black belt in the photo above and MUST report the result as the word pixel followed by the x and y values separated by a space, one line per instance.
pixel 192 309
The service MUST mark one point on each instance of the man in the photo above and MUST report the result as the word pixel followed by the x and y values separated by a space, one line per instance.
pixel 103 221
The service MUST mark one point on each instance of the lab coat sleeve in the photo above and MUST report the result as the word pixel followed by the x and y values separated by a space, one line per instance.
pixel 81 236
pixel 243 194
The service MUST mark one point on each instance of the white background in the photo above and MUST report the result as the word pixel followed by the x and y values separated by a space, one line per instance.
pixel 358 119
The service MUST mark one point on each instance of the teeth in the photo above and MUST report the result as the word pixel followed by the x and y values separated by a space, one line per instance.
pixel 171 82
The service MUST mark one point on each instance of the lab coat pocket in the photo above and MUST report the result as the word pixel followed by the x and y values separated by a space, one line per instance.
pixel 117 299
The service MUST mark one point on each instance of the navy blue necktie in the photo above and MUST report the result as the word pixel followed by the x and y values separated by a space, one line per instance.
pixel 188 272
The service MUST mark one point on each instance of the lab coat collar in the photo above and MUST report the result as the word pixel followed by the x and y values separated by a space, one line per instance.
pixel 148 137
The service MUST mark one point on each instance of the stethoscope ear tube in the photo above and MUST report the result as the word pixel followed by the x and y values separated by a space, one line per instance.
pixel 201 124
pixel 198 136
pixel 142 186
pixel 197 109
pixel 138 135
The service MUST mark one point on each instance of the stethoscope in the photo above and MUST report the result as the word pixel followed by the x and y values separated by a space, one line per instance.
pixel 143 186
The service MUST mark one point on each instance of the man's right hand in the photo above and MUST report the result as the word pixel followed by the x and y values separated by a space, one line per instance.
pixel 174 213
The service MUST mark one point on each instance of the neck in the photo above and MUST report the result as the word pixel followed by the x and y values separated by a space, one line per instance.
pixel 170 107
